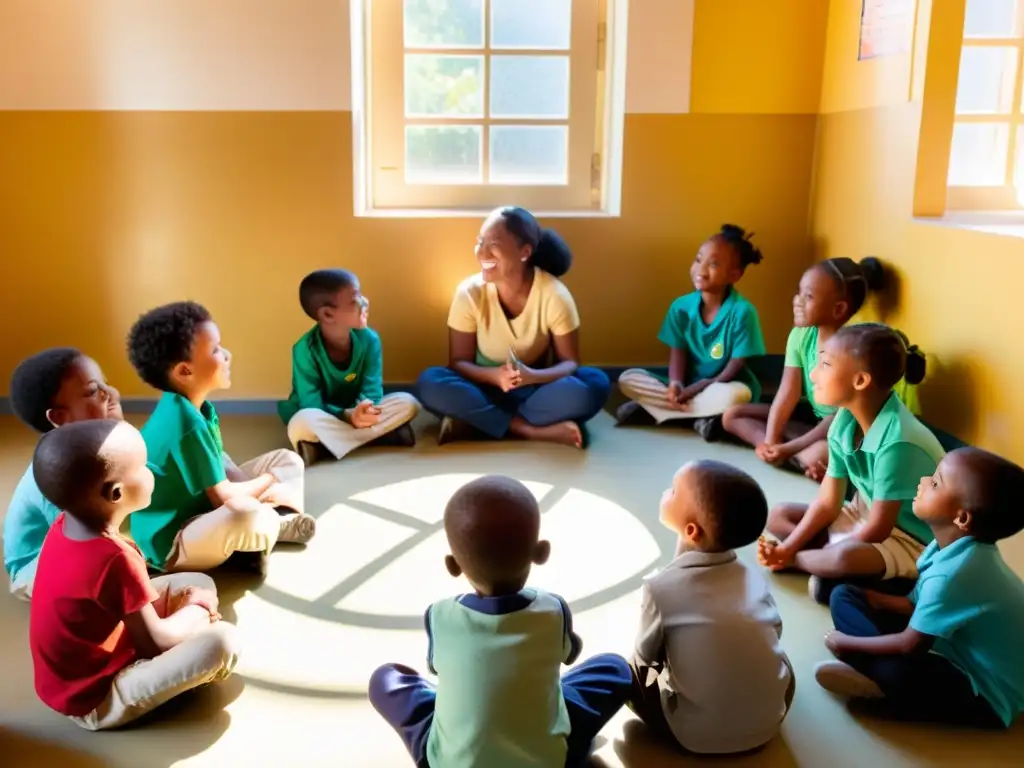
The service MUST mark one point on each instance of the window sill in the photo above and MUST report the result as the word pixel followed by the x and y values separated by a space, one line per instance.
pixel 1007 223
pixel 473 213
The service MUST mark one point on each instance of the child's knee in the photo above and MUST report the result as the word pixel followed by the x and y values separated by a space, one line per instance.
pixel 245 513
pixel 730 415
pixel 779 520
pixel 217 647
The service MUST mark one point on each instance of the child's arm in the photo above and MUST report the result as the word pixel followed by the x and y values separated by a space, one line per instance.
pixel 904 643
pixel 572 644
pixel 153 635
pixel 650 638
pixel 881 521
pixel 783 404
pixel 822 512
pixel 224 491
pixel 897 604
pixel 807 439
pixel 372 381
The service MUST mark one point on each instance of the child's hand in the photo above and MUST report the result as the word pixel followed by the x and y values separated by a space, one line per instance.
pixel 364 415
pixel 834 641
pixel 774 453
pixel 773 554
pixel 678 397
pixel 204 598
pixel 816 471
pixel 509 378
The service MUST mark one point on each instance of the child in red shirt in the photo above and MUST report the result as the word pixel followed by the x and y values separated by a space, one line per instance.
pixel 108 644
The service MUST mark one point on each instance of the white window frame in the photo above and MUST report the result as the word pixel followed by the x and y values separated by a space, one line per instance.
pixel 606 160
pixel 1004 197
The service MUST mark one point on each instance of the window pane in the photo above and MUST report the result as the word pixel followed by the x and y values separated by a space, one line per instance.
pixel 443 85
pixel 530 87
pixel 443 154
pixel 444 23
pixel 987 77
pixel 978 155
pixel 529 154
pixel 991 18
pixel 541 24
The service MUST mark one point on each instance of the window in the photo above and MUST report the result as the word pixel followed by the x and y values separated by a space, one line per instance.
pixel 986 164
pixel 471 104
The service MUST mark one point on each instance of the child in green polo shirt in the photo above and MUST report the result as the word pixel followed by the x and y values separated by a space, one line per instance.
pixel 793 432
pixel 879 447
pixel 337 401
pixel 204 507
pixel 950 652
pixel 711 332
pixel 497 652
pixel 48 390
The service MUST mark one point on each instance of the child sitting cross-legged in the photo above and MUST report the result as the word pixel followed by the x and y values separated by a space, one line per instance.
pixel 204 507
pixel 876 445
pixel 711 333
pixel 109 645
pixel 337 401
pixel 497 652
pixel 710 674
pixel 51 388
pixel 950 652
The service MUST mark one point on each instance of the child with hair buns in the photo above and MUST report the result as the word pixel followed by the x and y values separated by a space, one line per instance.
pixel 497 651
pixel 876 445
pixel 711 333
pixel 793 431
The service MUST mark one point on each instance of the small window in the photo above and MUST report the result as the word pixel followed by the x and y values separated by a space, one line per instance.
pixel 986 163
pixel 471 104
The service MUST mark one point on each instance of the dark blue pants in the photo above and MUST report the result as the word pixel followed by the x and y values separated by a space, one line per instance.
pixel 578 398
pixel 922 687
pixel 594 691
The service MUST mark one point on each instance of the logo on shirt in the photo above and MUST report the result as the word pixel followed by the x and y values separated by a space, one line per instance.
pixel 350 378
pixel 717 350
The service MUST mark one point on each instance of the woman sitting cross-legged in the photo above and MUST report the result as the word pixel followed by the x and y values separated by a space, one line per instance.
pixel 505 325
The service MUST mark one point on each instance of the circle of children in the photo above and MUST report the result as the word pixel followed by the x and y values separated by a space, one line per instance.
pixel 927 615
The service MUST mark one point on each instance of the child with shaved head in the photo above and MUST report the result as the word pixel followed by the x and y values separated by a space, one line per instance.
pixel 710 673
pixel 109 645
pixel 497 652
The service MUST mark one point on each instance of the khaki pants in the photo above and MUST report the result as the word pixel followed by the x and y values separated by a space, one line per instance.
pixel 900 551
pixel 21 585
pixel 206 657
pixel 313 425
pixel 243 524
pixel 652 395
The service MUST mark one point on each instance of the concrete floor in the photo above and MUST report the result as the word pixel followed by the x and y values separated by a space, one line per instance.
pixel 354 598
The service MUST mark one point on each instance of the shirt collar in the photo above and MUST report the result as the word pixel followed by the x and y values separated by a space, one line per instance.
pixel 889 414
pixel 696 559
pixel 499 605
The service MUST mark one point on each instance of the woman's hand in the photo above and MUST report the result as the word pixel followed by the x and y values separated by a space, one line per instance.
pixel 509 378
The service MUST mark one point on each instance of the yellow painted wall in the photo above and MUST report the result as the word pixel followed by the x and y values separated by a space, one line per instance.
pixel 758 56
pixel 959 289
pixel 105 214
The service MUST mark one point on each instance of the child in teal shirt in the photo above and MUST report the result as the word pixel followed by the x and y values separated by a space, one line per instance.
pixel 950 652
pixel 793 432
pixel 711 333
pixel 876 445
pixel 497 652
pixel 337 401
pixel 52 388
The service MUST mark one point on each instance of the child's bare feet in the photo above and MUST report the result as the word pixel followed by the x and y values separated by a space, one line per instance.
pixel 563 433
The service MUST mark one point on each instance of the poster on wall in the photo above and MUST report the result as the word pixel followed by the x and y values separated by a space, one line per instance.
pixel 886 28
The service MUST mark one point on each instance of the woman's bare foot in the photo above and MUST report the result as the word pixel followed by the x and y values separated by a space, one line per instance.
pixel 563 433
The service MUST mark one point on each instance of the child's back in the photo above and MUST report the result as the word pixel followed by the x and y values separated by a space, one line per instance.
pixel 726 676
pixel 709 626
pixel 499 659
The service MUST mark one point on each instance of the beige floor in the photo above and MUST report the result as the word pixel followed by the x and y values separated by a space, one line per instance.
pixel 328 615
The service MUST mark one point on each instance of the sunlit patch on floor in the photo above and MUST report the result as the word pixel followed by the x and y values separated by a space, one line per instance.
pixel 356 595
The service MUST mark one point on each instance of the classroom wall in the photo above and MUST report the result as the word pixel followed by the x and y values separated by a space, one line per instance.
pixel 162 150
pixel 957 292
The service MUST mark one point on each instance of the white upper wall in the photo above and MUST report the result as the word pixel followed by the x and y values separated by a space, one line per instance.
pixel 258 55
